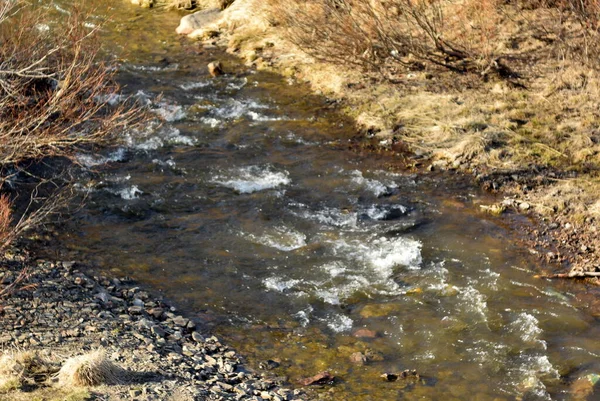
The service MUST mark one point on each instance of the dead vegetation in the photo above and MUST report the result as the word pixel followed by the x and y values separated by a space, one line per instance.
pixel 92 369
pixel 20 368
pixel 26 375
pixel 55 102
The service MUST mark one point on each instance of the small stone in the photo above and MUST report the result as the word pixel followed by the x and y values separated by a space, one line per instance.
pixel 358 358
pixel 365 333
pixel 269 364
pixel 156 312
pixel 197 337
pixel 215 68
pixel 135 310
pixel 135 393
pixel 145 324
pixel 181 321
pixel 157 331
pixel 524 206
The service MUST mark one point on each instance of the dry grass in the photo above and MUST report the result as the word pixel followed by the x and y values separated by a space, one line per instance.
pixel 91 369
pixel 18 367
pixel 26 375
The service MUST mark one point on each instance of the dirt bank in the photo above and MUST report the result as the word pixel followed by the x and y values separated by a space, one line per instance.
pixel 533 139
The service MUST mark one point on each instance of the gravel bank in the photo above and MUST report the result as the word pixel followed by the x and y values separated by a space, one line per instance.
pixel 63 310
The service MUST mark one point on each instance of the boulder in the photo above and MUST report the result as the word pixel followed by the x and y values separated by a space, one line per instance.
pixel 197 20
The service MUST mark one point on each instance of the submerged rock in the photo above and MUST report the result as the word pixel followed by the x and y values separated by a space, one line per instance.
pixel 358 358
pixel 406 374
pixel 365 333
pixel 319 378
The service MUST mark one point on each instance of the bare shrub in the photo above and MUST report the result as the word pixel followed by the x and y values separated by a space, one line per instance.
pixel 373 34
pixel 571 26
pixel 55 102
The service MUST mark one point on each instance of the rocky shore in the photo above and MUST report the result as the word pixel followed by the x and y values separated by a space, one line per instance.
pixel 61 310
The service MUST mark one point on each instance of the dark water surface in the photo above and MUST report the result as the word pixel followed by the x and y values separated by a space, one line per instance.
pixel 246 208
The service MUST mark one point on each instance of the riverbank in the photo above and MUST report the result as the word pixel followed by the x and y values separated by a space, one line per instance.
pixel 63 310
pixel 532 140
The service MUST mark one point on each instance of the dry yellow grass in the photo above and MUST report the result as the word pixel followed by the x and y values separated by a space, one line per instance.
pixel 17 367
pixel 29 375
pixel 92 369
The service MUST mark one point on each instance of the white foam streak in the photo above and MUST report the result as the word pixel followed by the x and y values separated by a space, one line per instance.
pixel 340 323
pixel 170 112
pixel 376 187
pixel 130 193
pixel 253 178
pixel 281 238
pixel 95 160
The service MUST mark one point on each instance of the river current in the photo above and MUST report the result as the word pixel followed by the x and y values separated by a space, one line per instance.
pixel 242 203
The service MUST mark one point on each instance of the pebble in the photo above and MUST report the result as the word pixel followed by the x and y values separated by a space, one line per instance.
pixel 197 337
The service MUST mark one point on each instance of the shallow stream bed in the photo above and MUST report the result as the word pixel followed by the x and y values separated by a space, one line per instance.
pixel 246 207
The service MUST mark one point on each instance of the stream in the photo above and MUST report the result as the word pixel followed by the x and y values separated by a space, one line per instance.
pixel 243 204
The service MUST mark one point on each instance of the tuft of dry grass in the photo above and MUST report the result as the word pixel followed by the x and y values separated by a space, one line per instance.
pixel 92 369
pixel 17 367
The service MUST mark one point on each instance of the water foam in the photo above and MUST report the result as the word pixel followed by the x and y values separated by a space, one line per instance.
pixel 474 301
pixel 253 178
pixel 340 323
pixel 330 217
pixel 96 160
pixel 235 109
pixel 195 85
pixel 385 212
pixel 378 188
pixel 129 193
pixel 210 121
pixel 152 140
pixel 237 84
pixel 382 254
pixel 170 112
pixel 282 238
pixel 279 284
pixel 154 68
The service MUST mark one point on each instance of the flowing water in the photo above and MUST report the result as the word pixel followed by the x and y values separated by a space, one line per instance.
pixel 246 207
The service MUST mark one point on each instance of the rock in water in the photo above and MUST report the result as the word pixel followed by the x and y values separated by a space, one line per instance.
pixel 319 378
pixel 358 358
pixel 215 68
pixel 197 20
